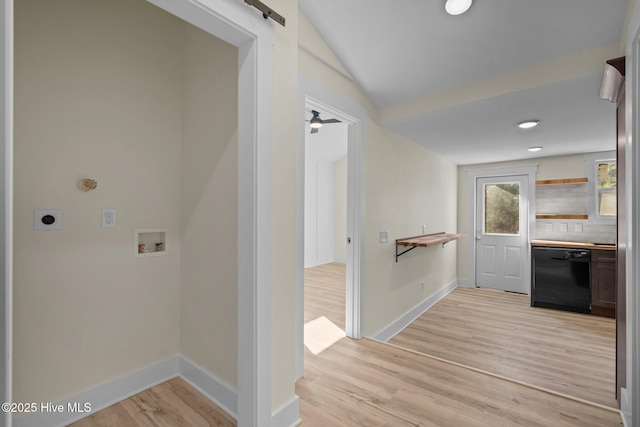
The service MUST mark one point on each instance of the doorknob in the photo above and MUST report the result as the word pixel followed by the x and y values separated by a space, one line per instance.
pixel 478 237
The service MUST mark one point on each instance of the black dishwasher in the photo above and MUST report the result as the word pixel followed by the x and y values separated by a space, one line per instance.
pixel 561 279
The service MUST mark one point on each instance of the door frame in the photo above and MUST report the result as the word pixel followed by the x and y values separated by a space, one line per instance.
pixel 630 396
pixel 6 213
pixel 522 236
pixel 243 27
pixel 313 93
pixel 474 175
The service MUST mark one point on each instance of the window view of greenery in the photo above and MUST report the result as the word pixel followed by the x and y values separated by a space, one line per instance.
pixel 502 209
pixel 607 183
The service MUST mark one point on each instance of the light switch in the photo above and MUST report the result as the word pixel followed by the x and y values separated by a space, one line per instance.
pixel 47 219
pixel 564 227
pixel 384 237
pixel 577 228
pixel 548 227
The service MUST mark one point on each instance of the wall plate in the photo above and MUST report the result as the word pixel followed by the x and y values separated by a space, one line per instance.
pixel 47 219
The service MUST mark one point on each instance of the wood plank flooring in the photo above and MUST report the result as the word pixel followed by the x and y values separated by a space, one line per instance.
pixel 501 333
pixel 325 293
pixel 366 383
pixel 173 403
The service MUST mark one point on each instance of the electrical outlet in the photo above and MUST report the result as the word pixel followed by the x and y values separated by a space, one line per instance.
pixel 108 218
pixel 577 228
pixel 384 236
pixel 47 219
pixel 564 227
pixel 548 227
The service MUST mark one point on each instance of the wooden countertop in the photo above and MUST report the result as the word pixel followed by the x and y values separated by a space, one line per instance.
pixel 576 245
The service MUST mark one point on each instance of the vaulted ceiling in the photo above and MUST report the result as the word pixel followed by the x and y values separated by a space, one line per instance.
pixel 458 85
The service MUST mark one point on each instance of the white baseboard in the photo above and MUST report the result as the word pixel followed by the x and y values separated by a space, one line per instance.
pixel 466 283
pixel 317 261
pixel 114 391
pixel 341 260
pixel 288 415
pixel 625 407
pixel 223 395
pixel 403 321
pixel 103 395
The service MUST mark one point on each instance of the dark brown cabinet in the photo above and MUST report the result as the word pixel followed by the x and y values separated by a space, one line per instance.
pixel 603 283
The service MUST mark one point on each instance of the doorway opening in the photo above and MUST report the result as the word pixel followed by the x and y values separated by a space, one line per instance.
pixel 336 237
pixel 325 230
pixel 250 45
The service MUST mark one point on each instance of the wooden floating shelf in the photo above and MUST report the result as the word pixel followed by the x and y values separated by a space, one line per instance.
pixel 561 216
pixel 562 181
pixel 425 240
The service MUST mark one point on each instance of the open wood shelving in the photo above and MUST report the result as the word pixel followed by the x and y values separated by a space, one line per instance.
pixel 425 240
pixel 562 181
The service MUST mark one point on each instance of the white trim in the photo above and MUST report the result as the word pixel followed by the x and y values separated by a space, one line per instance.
pixel 317 95
pixel 6 200
pixel 465 283
pixel 476 173
pixel 217 391
pixel 104 395
pixel 288 415
pixel 625 408
pixel 318 261
pixel 632 415
pixel 395 327
pixel 340 260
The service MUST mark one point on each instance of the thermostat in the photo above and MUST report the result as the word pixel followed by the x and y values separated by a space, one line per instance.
pixel 47 219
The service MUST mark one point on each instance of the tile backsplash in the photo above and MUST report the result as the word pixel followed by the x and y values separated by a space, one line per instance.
pixel 595 233
pixel 561 198
pixel 568 199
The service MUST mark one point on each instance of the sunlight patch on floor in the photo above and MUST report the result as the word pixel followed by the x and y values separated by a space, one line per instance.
pixel 320 334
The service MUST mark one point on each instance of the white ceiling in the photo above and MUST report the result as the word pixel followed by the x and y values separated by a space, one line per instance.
pixel 406 57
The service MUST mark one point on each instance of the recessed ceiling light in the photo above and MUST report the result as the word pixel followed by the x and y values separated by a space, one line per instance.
pixel 528 124
pixel 457 7
pixel 534 149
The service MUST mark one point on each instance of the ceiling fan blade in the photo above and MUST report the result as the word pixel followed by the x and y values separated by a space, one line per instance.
pixel 331 121
pixel 314 130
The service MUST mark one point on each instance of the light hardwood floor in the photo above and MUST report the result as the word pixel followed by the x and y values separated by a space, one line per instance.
pixel 325 293
pixel 366 383
pixel 171 404
pixel 501 333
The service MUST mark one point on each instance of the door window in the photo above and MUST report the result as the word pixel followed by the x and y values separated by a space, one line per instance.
pixel 502 208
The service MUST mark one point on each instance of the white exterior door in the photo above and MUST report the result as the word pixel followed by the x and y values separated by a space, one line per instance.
pixel 502 233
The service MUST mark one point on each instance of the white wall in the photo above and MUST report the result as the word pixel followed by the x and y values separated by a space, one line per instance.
pixel 407 187
pixel 208 271
pixel 323 150
pixel 98 95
